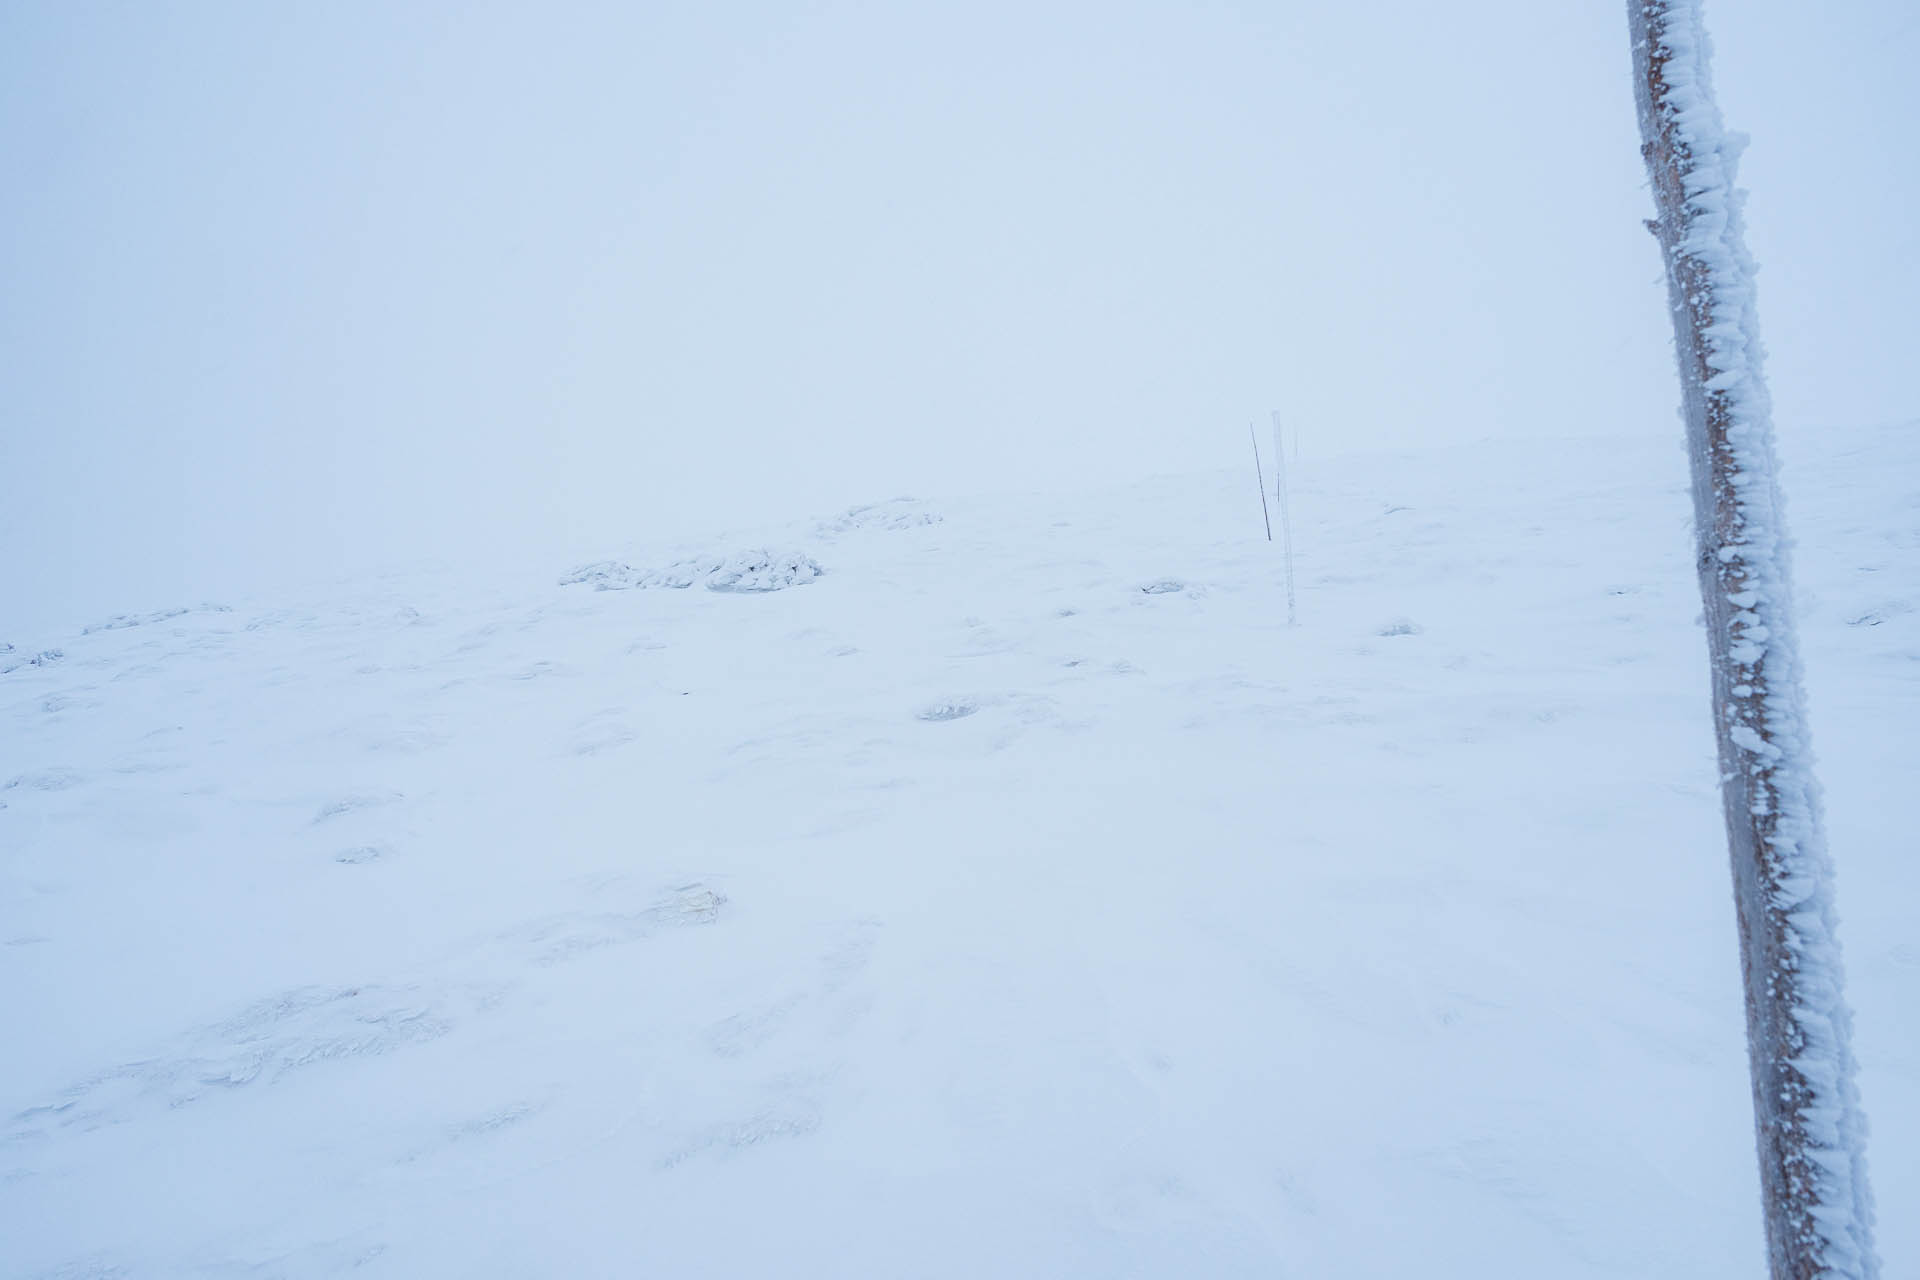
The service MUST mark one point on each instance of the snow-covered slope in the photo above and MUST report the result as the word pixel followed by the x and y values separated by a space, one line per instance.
pixel 959 889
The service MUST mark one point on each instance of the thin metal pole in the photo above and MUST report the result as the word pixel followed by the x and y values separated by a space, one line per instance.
pixel 1286 518
pixel 1259 476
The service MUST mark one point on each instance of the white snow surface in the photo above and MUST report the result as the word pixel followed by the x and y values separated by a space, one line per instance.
pixel 1022 898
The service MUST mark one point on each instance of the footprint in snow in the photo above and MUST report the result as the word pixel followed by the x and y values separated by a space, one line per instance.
pixel 740 1034
pixel 55 779
pixel 348 804
pixel 791 1109
pixel 61 702
pixel 602 732
pixel 566 937
pixel 402 739
pixel 838 1008
pixel 947 709
pixel 360 854
pixel 539 670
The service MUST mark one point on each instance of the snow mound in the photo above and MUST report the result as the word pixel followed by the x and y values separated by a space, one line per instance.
pixel 744 572
pixel 764 571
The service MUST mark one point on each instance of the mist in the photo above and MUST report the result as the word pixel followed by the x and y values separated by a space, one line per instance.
pixel 289 292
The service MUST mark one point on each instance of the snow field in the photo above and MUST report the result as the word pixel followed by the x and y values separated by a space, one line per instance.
pixel 1017 896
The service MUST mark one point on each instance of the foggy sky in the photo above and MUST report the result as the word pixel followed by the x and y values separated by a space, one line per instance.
pixel 292 289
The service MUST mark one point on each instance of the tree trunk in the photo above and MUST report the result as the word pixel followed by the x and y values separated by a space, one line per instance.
pixel 1815 1199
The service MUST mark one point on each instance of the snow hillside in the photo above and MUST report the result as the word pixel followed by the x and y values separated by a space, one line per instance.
pixel 957 889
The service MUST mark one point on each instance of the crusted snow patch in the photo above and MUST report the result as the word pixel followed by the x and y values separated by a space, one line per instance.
pixel 751 571
pixel 606 575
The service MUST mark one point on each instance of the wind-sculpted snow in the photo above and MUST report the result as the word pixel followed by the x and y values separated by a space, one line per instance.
pixel 979 912
pixel 262 1044
pixel 122 622
pixel 302 1028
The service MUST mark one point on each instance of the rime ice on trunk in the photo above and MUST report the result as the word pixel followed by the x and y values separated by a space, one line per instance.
pixel 1811 1137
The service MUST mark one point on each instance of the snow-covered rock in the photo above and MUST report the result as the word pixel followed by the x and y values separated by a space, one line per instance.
pixel 750 571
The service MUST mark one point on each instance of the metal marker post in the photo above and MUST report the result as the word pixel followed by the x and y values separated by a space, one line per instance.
pixel 1286 519
pixel 1262 479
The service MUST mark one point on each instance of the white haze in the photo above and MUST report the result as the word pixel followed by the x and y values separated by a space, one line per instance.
pixel 294 290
